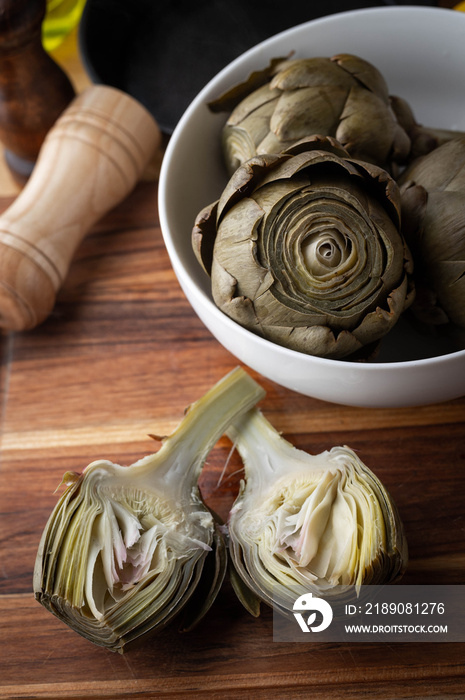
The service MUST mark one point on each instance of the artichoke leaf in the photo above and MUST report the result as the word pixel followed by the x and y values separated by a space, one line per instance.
pixel 214 571
pixel 243 180
pixel 365 73
pixel 302 73
pixel 317 142
pixel 433 215
pixel 386 140
pixel 238 145
pixel 229 99
pixel 240 308
pixel 241 141
pixel 258 105
pixel 244 594
pixel 203 236
pixel 423 139
pixel 291 120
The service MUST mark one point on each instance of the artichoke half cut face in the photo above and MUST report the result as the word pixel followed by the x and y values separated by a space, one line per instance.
pixel 126 548
pixel 308 523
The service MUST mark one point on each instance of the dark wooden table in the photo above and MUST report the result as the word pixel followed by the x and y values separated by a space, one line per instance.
pixel 120 357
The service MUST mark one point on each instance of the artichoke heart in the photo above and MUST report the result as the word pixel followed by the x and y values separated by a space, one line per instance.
pixel 304 248
pixel 126 548
pixel 308 523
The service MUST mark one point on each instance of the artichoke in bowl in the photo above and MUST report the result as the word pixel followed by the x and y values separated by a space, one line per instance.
pixel 304 248
pixel 344 96
pixel 433 214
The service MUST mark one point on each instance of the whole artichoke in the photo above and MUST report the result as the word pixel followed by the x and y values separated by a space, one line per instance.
pixel 433 212
pixel 304 248
pixel 344 96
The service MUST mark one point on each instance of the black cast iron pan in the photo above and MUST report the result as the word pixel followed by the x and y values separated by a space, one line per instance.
pixel 163 52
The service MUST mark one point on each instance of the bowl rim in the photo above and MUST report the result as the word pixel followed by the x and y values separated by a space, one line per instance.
pixel 178 266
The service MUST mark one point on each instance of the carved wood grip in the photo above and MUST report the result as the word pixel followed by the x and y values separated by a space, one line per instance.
pixel 90 160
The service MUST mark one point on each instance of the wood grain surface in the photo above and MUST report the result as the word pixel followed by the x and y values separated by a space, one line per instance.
pixel 121 356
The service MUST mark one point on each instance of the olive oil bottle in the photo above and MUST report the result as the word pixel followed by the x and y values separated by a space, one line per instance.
pixel 60 19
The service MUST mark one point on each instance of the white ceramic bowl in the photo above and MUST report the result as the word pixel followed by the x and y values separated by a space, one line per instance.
pixel 421 53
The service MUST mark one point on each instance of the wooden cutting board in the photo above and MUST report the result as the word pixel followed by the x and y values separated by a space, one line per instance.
pixel 121 356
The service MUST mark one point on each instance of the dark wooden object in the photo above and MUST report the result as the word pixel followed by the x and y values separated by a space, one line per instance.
pixel 34 90
pixel 121 356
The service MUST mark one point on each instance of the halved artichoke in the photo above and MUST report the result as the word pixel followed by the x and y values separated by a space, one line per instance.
pixel 308 523
pixel 126 548
pixel 304 248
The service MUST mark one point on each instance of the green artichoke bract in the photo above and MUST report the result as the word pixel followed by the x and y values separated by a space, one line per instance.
pixel 304 248
pixel 344 97
pixel 127 548
pixel 433 213
pixel 307 523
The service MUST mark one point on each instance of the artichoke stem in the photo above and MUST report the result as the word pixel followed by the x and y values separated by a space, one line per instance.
pixel 203 424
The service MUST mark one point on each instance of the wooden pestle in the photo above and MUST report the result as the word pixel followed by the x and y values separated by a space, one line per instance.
pixel 34 90
pixel 90 160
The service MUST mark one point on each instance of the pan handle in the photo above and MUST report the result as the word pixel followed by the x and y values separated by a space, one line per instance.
pixel 90 160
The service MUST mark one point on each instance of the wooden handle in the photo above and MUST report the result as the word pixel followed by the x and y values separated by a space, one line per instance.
pixel 90 160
